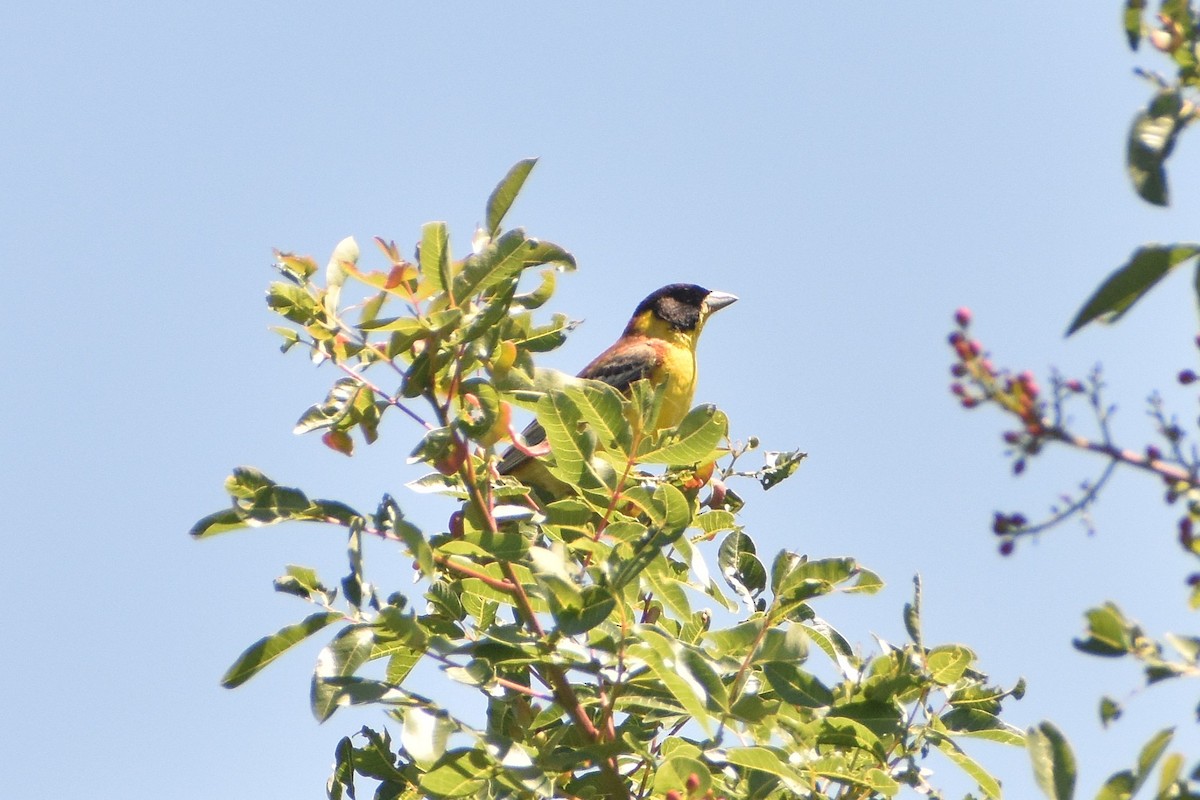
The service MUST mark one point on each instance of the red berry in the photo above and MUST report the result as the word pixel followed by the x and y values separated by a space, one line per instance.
pixel 1187 376
pixel 1153 453
pixel 452 459
pixel 1012 437
pixel 1075 385
pixel 957 390
pixel 963 317
pixel 958 370
pixel 969 402
pixel 692 782
pixel 1006 547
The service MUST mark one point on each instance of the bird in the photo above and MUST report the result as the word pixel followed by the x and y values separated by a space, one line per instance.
pixel 659 345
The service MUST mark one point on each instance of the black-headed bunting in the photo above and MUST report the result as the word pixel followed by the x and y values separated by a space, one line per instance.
pixel 658 344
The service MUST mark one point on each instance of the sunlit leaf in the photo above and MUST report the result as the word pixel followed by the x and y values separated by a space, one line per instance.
pixel 424 735
pixel 979 724
pixel 502 197
pixel 986 782
pixel 342 780
pixel 948 663
pixel 795 686
pixel 674 772
pixel 1108 632
pixel 741 568
pixel 1132 21
pixel 457 774
pixel 258 655
pixel 1131 281
pixel 1053 761
pixel 1151 140
pixel 693 441
pixel 435 256
pixel 341 658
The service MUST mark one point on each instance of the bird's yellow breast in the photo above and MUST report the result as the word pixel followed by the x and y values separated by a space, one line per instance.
pixel 677 367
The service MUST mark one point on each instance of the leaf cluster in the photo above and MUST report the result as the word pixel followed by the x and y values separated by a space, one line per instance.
pixel 621 637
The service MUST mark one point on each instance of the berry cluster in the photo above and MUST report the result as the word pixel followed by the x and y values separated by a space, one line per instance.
pixel 977 381
pixel 1042 419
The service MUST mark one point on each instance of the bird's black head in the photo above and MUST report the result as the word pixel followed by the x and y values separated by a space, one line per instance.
pixel 682 305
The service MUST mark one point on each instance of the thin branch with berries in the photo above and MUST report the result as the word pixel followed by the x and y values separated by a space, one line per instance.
pixel 1043 419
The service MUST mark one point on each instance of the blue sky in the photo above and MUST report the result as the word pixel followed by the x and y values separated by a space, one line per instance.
pixel 853 179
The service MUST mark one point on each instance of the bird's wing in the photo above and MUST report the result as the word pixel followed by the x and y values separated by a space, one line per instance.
pixel 624 363
pixel 619 366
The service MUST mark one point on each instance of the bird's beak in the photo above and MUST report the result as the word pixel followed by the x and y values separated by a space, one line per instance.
pixel 718 300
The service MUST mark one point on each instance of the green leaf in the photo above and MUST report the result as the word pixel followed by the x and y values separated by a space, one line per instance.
pixel 836 767
pixel 258 655
pixel 669 662
pixel 1053 761
pixel 778 466
pixel 692 441
pixel 376 759
pixel 336 407
pixel 713 522
pixel 1146 267
pixel 538 297
pixel 389 517
pixel 435 255
pixel 303 582
pixel 503 260
pixel 344 255
pixel 736 641
pixel 847 734
pixel 458 774
pixel 771 760
pixel 980 724
pixel 1119 786
pixel 786 645
pixel 595 606
pixel 561 418
pixel 342 779
pixel 912 614
pixel 292 302
pixel 424 735
pixel 985 780
pixel 1151 140
pixel 1110 711
pixel 795 686
pixel 674 772
pixel 1171 768
pixel 601 406
pixel 1151 752
pixel 741 568
pixel 502 197
pixel 219 522
pixel 948 663
pixel 1132 20
pixel 1109 633
pixel 881 718
pixel 340 659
